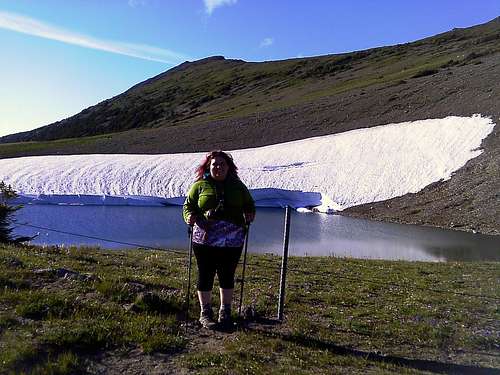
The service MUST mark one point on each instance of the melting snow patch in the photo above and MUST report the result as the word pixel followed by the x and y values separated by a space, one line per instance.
pixel 328 173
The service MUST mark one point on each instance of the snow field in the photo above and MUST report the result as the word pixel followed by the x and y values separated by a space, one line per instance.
pixel 332 172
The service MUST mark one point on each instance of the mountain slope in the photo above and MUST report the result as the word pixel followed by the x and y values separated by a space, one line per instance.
pixel 216 91
pixel 229 104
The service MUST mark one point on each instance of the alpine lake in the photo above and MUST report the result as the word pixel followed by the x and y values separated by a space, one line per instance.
pixel 311 234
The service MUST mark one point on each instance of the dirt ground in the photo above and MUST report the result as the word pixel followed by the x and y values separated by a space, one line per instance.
pixel 135 362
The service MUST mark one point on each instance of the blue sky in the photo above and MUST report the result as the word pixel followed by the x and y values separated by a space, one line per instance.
pixel 61 56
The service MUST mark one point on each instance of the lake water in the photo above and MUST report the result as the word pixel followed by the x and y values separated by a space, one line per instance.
pixel 310 233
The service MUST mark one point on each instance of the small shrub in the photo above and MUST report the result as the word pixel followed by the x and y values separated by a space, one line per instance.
pixel 450 63
pixel 43 306
pixel 7 321
pixel 88 335
pixel 6 214
pixel 115 290
pixel 16 351
pixel 425 72
pixel 66 363
pixel 444 336
pixel 7 282
pixel 488 38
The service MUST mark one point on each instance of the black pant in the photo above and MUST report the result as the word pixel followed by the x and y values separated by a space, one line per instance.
pixel 220 260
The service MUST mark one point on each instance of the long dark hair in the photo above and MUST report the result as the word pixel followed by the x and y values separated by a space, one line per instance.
pixel 204 167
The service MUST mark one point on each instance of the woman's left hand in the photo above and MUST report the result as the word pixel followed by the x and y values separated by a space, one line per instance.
pixel 249 217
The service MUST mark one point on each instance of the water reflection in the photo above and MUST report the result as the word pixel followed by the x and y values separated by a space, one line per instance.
pixel 311 234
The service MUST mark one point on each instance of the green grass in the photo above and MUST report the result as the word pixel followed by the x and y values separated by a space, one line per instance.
pixel 31 148
pixel 341 315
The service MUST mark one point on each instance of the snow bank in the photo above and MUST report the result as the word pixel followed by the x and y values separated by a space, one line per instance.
pixel 331 172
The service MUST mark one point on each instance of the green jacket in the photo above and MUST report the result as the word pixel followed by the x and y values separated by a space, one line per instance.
pixel 205 194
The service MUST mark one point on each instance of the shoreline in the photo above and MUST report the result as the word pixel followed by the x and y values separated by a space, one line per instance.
pixel 477 229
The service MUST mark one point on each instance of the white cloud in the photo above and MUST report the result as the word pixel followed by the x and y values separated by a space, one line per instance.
pixel 267 42
pixel 31 26
pixel 210 5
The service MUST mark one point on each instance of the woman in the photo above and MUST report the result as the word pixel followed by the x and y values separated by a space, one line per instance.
pixel 218 206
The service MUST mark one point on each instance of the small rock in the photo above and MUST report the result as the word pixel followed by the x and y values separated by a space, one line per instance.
pixel 135 287
pixel 73 275
pixel 15 263
pixel 24 321
pixel 64 274
pixel 132 307
pixel 42 271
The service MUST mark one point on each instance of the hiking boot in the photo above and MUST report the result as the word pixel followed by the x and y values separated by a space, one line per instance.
pixel 207 318
pixel 225 316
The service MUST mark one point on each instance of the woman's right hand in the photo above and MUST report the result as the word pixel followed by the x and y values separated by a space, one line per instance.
pixel 249 217
pixel 191 220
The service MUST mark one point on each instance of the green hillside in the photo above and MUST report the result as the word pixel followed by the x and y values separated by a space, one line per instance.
pixel 215 88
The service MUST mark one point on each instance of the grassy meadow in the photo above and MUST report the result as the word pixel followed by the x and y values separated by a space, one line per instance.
pixel 88 310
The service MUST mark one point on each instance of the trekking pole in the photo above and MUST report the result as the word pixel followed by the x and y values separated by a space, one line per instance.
pixel 188 295
pixel 244 266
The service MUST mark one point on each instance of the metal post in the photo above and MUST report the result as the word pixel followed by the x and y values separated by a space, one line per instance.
pixel 284 263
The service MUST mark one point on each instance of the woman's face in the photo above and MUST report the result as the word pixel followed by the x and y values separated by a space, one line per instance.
pixel 218 168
